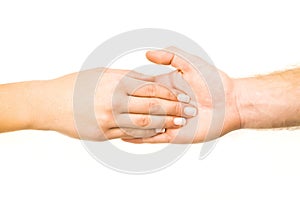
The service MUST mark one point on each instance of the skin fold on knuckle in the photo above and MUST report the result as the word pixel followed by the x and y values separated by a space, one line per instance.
pixel 154 107
pixel 170 95
pixel 177 107
pixel 143 121
pixel 150 90
pixel 168 122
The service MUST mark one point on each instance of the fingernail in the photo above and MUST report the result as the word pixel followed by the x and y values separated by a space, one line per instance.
pixel 191 111
pixel 183 98
pixel 160 130
pixel 179 121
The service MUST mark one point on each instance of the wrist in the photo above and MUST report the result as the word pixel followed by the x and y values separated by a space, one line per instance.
pixel 232 111
pixel 39 105
pixel 251 102
pixel 240 100
pixel 53 105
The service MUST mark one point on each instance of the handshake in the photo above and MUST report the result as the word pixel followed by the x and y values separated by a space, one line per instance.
pixel 194 103
pixel 176 107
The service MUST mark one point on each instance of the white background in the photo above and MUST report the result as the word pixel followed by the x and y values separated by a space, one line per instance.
pixel 44 40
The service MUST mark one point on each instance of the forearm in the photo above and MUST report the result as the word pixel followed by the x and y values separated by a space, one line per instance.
pixel 16 103
pixel 269 101
pixel 39 105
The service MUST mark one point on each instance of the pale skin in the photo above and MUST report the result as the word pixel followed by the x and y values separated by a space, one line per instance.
pixel 269 101
pixel 48 105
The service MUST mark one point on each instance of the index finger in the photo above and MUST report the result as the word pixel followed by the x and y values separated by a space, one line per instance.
pixel 139 88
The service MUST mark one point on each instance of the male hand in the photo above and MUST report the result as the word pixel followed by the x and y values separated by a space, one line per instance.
pixel 200 128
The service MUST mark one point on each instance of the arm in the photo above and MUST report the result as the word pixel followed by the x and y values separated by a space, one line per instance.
pixel 121 103
pixel 259 102
pixel 269 101
pixel 16 101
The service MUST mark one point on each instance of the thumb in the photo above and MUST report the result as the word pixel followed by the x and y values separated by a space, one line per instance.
pixel 171 56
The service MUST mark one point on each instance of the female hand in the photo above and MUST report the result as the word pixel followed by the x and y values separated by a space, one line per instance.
pixel 124 103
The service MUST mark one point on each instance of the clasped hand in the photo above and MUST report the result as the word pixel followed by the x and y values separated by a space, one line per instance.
pixel 135 107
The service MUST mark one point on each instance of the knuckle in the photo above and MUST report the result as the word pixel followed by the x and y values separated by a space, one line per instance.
pixel 155 107
pixel 143 121
pixel 152 104
pixel 105 118
pixel 170 95
pixel 169 122
pixel 178 109
pixel 150 90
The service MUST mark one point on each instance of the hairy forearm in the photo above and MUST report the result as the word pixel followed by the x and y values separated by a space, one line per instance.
pixel 270 101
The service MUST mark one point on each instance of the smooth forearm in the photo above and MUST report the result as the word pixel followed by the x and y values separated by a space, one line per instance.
pixel 16 103
pixel 39 105
pixel 269 101
pixel 53 105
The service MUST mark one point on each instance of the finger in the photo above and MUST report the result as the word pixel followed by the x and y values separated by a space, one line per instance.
pixel 140 121
pixel 114 134
pixel 140 76
pixel 130 133
pixel 147 89
pixel 175 136
pixel 159 91
pixel 155 106
pixel 160 138
pixel 168 58
pixel 172 56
